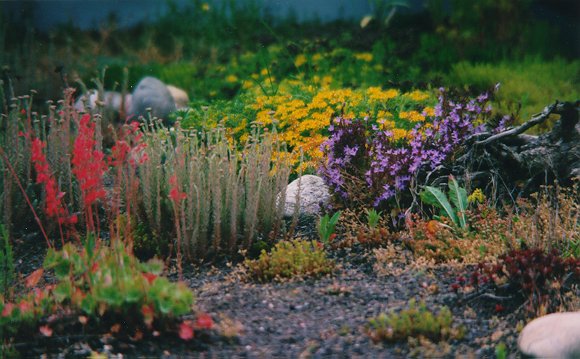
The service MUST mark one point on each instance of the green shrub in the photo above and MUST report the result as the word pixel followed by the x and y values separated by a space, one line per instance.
pixel 290 259
pixel 415 321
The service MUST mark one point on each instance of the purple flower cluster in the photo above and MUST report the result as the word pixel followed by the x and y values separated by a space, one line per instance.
pixel 348 150
pixel 387 166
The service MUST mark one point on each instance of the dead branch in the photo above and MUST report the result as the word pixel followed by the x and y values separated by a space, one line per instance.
pixel 535 120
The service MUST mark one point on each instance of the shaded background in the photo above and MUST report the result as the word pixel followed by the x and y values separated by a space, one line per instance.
pixel 186 42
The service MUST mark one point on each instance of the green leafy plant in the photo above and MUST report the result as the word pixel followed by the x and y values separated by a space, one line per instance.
pixel 454 210
pixel 110 279
pixel 326 226
pixel 415 321
pixel 290 259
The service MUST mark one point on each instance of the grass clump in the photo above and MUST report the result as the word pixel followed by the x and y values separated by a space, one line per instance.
pixel 7 272
pixel 416 321
pixel 290 259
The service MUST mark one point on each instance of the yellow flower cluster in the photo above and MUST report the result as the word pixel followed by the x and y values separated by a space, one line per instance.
pixel 429 111
pixel 300 60
pixel 364 56
pixel 302 122
pixel 413 116
pixel 476 196
pixel 377 94
pixel 417 96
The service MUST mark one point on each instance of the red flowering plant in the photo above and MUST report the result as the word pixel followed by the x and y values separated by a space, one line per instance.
pixel 53 207
pixel 89 167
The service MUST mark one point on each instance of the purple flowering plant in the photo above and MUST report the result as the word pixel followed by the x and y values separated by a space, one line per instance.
pixel 364 164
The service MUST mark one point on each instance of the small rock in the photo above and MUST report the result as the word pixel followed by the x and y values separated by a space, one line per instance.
pixel 552 336
pixel 313 193
pixel 151 93
pixel 112 101
pixel 496 335
pixel 179 96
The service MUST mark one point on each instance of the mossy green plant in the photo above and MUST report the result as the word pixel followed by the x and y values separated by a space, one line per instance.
pixel 290 260
pixel 415 321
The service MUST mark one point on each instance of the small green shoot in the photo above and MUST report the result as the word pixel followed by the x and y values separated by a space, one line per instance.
pixel 373 218
pixel 326 226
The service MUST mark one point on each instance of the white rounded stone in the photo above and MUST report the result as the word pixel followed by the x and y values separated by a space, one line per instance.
pixel 313 193
pixel 554 335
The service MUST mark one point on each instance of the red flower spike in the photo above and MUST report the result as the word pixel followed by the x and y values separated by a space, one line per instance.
pixel 186 331
pixel 204 321
pixel 53 205
pixel 8 308
pixel 174 193
pixel 150 277
pixel 45 330
pixel 148 315
pixel 88 162
pixel 25 307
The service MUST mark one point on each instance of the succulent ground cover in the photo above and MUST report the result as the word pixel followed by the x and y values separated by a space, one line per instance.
pixel 142 238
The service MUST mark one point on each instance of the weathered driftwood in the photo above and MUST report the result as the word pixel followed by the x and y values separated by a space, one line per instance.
pixel 513 163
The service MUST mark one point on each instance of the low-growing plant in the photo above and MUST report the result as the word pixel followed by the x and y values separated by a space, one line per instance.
pixel 99 280
pixel 326 227
pixel 540 276
pixel 456 211
pixel 104 286
pixel 290 260
pixel 489 237
pixel 363 228
pixel 416 321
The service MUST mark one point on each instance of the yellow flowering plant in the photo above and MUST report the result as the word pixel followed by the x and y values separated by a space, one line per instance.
pixel 302 113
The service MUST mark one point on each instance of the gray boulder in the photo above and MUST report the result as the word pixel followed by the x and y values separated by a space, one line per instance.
pixel 313 193
pixel 552 336
pixel 151 93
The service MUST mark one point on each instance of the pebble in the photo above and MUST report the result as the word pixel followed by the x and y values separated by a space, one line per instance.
pixel 554 335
